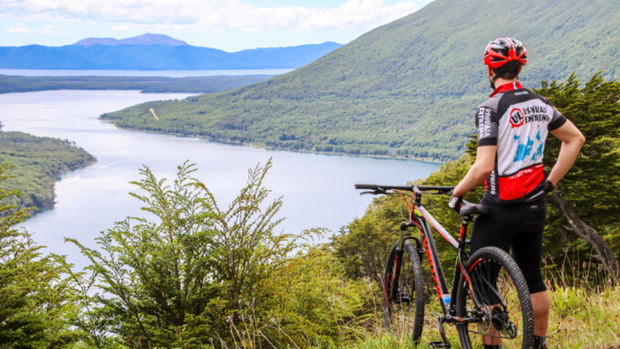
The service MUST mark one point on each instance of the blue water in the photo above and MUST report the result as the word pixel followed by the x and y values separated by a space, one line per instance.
pixel 317 189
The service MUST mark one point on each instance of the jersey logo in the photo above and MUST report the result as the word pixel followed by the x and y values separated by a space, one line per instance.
pixel 516 118
pixel 525 149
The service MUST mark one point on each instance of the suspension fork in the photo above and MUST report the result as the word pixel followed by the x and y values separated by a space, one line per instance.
pixel 399 254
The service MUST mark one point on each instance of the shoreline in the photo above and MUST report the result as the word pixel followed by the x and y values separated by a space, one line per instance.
pixel 262 146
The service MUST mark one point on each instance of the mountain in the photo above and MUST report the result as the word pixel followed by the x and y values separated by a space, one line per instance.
pixel 144 39
pixel 156 52
pixel 405 89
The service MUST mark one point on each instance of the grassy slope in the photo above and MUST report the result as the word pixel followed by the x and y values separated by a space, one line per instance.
pixel 580 318
pixel 404 89
pixel 38 162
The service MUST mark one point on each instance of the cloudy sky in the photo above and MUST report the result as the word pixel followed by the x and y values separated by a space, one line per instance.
pixel 230 25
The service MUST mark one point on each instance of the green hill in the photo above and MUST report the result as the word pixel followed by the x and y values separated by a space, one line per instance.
pixel 405 89
pixel 197 84
pixel 37 162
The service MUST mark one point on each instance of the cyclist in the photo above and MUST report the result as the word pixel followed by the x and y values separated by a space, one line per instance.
pixel 512 127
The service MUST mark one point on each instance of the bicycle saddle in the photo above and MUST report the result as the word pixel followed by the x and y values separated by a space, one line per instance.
pixel 469 208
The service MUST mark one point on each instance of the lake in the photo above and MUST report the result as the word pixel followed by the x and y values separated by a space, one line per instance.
pixel 317 190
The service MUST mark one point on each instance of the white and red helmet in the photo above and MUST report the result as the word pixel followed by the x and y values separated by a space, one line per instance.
pixel 503 50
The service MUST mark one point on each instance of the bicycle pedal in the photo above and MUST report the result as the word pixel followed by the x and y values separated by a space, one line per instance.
pixel 439 344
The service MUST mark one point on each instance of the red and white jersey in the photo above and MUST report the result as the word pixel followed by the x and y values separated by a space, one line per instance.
pixel 517 121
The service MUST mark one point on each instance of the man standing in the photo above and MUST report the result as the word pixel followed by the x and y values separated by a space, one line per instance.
pixel 512 128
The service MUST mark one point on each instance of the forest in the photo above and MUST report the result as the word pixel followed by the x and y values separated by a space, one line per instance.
pixel 198 84
pixel 36 163
pixel 191 273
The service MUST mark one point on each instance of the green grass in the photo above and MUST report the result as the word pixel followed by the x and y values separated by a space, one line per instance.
pixel 580 318
pixel 585 319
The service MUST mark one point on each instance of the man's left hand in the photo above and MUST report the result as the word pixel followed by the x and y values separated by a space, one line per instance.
pixel 455 203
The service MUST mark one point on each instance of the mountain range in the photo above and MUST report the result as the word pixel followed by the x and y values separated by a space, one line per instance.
pixel 156 52
pixel 144 39
pixel 406 89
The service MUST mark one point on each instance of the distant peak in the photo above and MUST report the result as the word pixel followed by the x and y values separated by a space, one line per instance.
pixel 144 39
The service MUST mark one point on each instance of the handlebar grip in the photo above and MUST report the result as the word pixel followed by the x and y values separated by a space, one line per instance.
pixel 366 186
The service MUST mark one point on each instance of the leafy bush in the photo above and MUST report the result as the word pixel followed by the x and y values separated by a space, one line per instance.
pixel 37 295
pixel 190 273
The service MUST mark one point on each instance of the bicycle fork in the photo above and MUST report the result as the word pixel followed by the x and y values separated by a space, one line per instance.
pixel 395 273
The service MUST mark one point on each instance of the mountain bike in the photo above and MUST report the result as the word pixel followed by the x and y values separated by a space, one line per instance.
pixel 488 302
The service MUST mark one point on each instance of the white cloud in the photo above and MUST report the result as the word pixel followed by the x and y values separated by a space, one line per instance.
pixel 46 29
pixel 18 29
pixel 231 15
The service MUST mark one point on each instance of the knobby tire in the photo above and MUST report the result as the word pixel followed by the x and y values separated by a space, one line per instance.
pixel 403 296
pixel 496 279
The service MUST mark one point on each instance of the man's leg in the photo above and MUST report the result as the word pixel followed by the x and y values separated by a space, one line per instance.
pixel 541 303
pixel 491 230
pixel 527 252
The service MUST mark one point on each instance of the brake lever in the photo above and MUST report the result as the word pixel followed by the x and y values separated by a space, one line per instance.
pixel 374 192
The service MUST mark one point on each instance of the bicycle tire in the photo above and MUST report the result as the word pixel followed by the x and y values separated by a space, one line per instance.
pixel 512 325
pixel 403 296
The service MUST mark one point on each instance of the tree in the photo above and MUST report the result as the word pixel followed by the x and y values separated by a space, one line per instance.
pixel 154 274
pixel 587 198
pixel 36 295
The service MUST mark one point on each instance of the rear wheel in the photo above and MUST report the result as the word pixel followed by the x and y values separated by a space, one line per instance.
pixel 496 301
pixel 403 296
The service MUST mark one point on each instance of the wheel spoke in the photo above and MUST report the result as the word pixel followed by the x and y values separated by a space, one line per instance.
pixel 501 309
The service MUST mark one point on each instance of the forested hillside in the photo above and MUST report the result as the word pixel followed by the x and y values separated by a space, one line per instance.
pixel 197 84
pixel 406 89
pixel 36 164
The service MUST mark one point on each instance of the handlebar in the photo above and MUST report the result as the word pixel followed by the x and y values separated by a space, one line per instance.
pixel 467 208
pixel 376 189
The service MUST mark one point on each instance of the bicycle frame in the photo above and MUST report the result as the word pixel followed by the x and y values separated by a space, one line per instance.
pixel 420 217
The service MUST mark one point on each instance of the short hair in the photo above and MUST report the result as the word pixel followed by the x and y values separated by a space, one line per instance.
pixel 509 70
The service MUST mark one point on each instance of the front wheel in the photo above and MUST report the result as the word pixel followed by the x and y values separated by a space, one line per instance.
pixel 403 292
pixel 494 302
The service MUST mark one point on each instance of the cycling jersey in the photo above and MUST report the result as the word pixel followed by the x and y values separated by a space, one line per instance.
pixel 517 121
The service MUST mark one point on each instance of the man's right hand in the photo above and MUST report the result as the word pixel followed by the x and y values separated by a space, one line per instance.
pixel 546 186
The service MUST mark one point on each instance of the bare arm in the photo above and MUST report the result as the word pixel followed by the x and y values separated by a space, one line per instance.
pixel 479 171
pixel 572 141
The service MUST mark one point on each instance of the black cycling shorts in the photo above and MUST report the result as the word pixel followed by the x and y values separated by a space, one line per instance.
pixel 516 226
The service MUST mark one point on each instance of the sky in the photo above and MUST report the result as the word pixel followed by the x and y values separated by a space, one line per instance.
pixel 230 25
